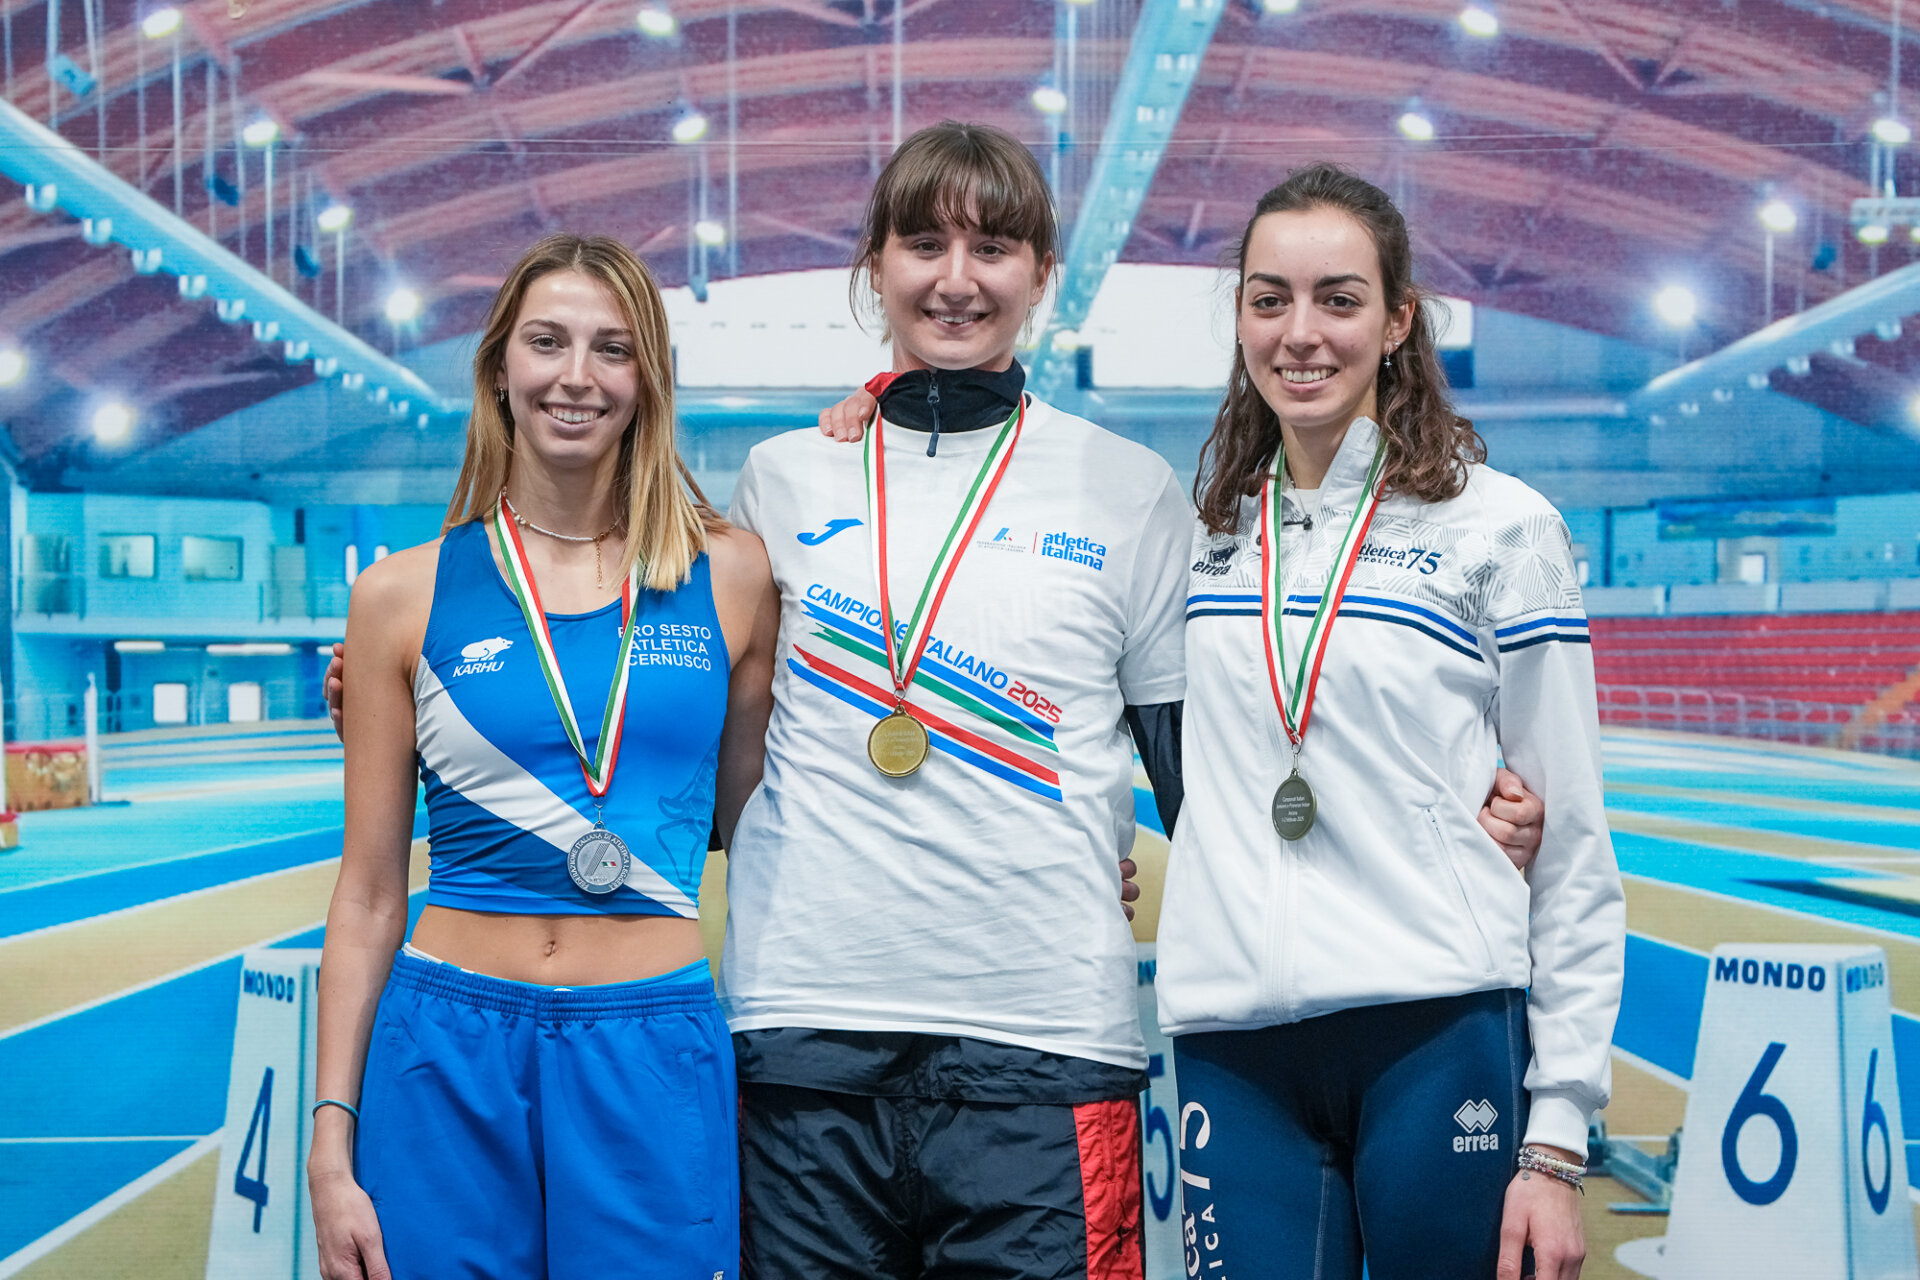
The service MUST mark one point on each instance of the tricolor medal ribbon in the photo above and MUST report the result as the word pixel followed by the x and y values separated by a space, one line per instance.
pixel 599 860
pixel 898 743
pixel 1294 804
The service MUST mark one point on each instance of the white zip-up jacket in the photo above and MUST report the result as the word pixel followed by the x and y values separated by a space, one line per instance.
pixel 1460 639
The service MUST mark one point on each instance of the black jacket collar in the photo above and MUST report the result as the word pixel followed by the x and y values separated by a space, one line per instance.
pixel 936 400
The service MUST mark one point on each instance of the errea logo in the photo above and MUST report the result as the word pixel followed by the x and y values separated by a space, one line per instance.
pixel 1477 1118
pixel 482 655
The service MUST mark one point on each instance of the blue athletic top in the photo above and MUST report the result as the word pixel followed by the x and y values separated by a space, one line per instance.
pixel 505 796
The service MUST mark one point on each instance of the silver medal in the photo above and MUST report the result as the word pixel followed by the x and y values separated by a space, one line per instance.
pixel 1293 807
pixel 599 861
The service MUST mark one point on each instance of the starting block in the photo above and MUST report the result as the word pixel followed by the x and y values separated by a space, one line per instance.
pixel 262 1222
pixel 1795 1160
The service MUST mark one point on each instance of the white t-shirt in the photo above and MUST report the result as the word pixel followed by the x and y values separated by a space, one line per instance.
pixel 979 896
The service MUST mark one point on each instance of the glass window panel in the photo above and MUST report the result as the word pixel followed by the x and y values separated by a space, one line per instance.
pixel 210 559
pixel 126 555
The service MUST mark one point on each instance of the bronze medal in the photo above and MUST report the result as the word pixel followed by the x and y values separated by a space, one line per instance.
pixel 898 744
pixel 1293 807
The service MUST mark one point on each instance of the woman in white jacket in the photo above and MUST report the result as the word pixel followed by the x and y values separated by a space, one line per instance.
pixel 1388 1042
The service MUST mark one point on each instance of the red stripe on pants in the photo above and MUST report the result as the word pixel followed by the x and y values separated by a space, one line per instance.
pixel 1109 1136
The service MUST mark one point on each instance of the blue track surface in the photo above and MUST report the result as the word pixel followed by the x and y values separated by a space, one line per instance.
pixel 81 897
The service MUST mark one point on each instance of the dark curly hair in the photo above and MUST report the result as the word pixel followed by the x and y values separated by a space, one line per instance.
pixel 1429 446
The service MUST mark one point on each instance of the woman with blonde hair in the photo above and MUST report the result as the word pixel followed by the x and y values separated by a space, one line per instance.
pixel 539 1083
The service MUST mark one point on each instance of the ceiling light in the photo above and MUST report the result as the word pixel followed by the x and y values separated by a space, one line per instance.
pixel 161 23
pixel 1279 6
pixel 112 422
pixel 403 305
pixel 1478 20
pixel 260 133
pixel 13 367
pixel 1891 132
pixel 1049 99
pixel 1415 125
pixel 1778 216
pixel 150 646
pixel 1676 305
pixel 710 233
pixel 691 126
pixel 250 649
pixel 335 217
pixel 656 20
pixel 1872 233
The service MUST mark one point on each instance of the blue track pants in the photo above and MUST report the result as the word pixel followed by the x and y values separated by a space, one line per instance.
pixel 1386 1133
pixel 550 1133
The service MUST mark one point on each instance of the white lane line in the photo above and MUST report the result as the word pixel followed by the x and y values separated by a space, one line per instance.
pixel 1659 1073
pixel 7 1033
pixel 161 862
pixel 189 895
pixel 118 1137
pixel 25 1256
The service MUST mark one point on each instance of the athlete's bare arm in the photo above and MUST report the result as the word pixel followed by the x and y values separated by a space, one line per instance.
pixel 386 623
pixel 749 607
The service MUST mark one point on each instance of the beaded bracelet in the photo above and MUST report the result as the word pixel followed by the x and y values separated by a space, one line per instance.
pixel 347 1107
pixel 1566 1171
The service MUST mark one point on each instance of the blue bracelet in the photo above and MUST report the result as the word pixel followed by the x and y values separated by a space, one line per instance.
pixel 349 1108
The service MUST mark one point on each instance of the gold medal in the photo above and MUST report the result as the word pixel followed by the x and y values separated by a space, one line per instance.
pixel 898 744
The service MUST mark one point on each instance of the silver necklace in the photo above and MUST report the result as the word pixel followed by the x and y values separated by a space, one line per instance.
pixel 595 539
pixel 525 523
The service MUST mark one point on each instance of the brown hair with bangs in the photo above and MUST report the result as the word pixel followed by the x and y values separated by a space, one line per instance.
pixel 667 516
pixel 1429 446
pixel 963 175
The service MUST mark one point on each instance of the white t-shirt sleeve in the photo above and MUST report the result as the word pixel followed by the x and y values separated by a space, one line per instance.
pixel 745 509
pixel 1153 658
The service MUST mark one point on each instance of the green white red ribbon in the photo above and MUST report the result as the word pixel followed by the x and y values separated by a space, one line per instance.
pixel 1296 706
pixel 903 657
pixel 597 769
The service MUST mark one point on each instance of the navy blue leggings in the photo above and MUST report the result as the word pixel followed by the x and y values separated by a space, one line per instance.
pixel 1386 1133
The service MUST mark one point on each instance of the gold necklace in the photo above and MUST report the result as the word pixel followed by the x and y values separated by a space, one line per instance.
pixel 575 538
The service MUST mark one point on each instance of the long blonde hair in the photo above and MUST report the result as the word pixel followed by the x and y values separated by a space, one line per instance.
pixel 667 516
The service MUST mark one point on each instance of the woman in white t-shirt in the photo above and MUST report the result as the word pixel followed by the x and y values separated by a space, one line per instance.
pixel 802 1085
